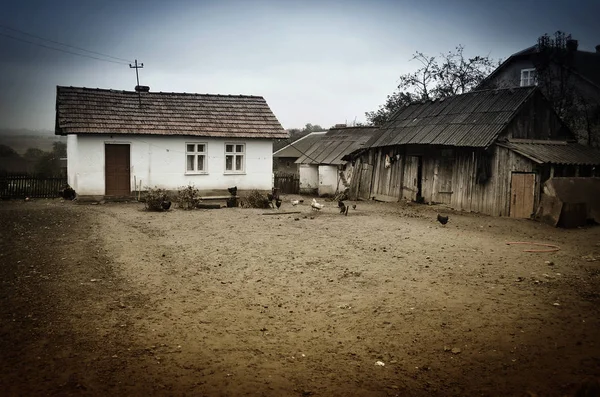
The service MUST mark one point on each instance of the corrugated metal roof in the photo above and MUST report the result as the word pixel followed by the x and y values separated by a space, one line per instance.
pixel 99 111
pixel 298 147
pixel 335 144
pixel 556 152
pixel 474 119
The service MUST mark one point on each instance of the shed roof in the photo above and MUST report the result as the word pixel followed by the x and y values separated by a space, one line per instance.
pixel 474 119
pixel 101 111
pixel 299 146
pixel 336 143
pixel 555 152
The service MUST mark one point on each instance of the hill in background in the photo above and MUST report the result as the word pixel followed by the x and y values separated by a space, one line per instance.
pixel 21 139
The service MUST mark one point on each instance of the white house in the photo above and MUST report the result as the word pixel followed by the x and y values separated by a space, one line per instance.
pixel 322 169
pixel 166 140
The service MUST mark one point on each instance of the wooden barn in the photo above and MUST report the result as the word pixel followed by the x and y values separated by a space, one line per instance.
pixel 485 151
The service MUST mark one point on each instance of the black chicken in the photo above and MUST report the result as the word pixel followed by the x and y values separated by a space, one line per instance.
pixel 165 205
pixel 232 190
pixel 341 206
pixel 442 219
pixel 353 206
pixel 278 203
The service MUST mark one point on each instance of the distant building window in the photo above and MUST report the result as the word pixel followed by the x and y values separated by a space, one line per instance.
pixel 528 77
pixel 195 158
pixel 235 157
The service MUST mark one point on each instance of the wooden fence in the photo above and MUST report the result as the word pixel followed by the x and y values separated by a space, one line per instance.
pixel 287 183
pixel 21 186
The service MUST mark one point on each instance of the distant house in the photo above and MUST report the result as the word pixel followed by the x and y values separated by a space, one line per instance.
pixel 322 169
pixel 486 151
pixel 166 140
pixel 284 159
pixel 574 72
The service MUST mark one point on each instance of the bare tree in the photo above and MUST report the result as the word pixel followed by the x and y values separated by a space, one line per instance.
pixel 449 75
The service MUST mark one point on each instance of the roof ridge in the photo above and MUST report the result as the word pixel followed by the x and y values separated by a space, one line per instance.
pixel 59 87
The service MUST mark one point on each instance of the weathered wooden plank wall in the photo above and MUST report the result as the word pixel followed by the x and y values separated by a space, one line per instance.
pixel 449 176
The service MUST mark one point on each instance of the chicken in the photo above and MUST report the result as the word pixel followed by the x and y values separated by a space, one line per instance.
pixel 316 206
pixel 353 206
pixel 232 190
pixel 295 202
pixel 342 207
pixel 442 219
pixel 278 203
pixel 165 205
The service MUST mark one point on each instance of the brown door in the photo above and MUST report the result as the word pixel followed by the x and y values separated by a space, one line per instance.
pixel 116 168
pixel 522 194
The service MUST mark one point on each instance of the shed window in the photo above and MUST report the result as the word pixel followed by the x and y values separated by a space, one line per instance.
pixel 235 159
pixel 528 77
pixel 195 158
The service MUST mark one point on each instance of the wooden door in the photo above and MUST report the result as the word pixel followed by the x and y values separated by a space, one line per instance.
pixel 522 195
pixel 412 178
pixel 116 170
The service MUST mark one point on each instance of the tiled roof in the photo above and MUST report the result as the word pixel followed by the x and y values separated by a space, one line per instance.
pixel 100 111
pixel 474 119
pixel 335 144
pixel 556 152
pixel 299 146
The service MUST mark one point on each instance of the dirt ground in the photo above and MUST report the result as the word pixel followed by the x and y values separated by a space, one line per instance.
pixel 112 300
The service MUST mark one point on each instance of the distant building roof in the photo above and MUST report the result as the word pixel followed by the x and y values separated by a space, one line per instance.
pixel 584 63
pixel 101 111
pixel 555 152
pixel 474 119
pixel 299 146
pixel 336 143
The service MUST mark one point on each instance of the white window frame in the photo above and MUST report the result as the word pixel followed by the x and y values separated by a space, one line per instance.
pixel 196 153
pixel 528 77
pixel 235 154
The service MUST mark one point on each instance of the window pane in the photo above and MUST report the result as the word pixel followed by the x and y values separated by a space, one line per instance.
pixel 201 163
pixel 239 163
pixel 229 163
pixel 239 148
pixel 201 148
pixel 190 148
pixel 229 148
pixel 190 163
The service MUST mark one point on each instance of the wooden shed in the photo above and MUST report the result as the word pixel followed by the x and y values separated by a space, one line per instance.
pixel 485 151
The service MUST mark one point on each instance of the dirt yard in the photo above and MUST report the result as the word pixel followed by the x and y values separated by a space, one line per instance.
pixel 112 300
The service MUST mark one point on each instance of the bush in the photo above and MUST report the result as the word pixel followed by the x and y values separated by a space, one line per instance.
pixel 188 197
pixel 255 199
pixel 155 197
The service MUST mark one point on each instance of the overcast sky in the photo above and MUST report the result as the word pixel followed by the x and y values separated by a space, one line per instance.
pixel 322 62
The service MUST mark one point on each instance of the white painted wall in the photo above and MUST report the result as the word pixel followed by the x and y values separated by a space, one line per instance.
pixel 329 180
pixel 309 178
pixel 159 161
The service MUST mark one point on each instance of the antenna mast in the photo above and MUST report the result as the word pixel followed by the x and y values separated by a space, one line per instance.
pixel 137 77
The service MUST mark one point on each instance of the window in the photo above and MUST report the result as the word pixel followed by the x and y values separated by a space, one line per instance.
pixel 235 157
pixel 528 77
pixel 195 158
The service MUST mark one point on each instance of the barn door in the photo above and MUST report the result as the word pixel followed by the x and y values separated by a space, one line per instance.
pixel 411 186
pixel 116 170
pixel 522 195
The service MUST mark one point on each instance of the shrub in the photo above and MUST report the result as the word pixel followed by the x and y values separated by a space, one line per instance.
pixel 188 197
pixel 255 199
pixel 155 197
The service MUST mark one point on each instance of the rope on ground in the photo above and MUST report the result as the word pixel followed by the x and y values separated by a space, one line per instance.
pixel 553 248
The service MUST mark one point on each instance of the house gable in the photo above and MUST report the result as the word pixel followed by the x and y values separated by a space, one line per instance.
pixel 537 120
